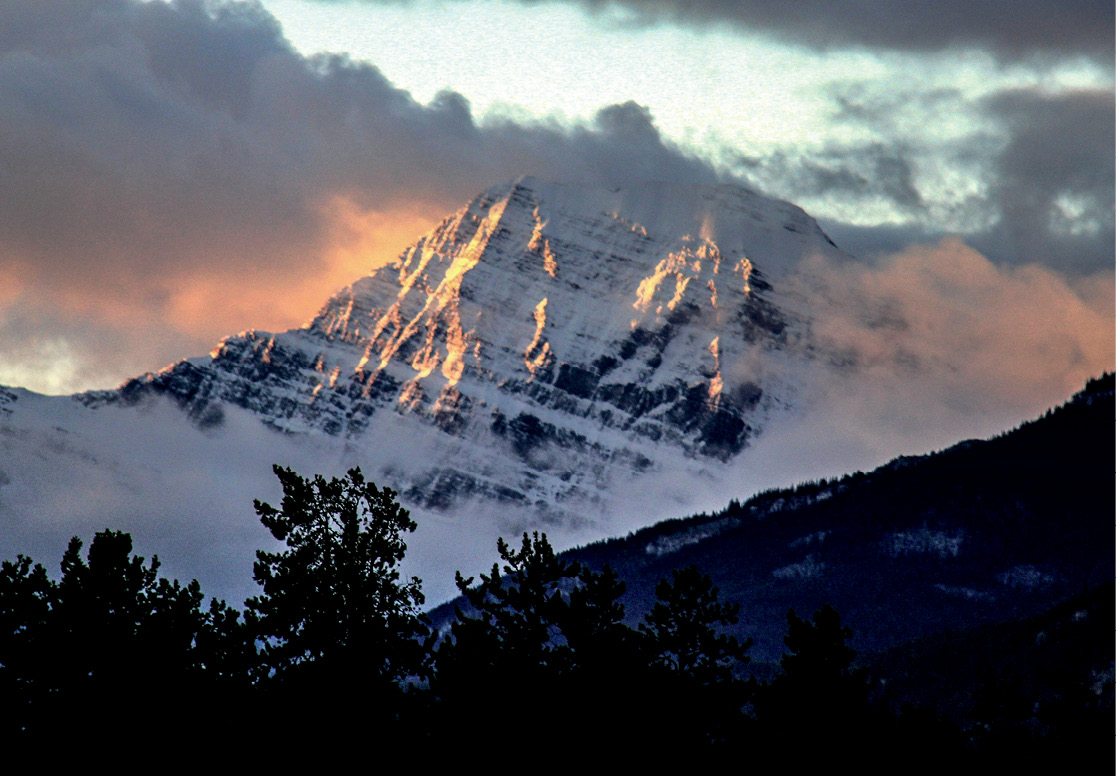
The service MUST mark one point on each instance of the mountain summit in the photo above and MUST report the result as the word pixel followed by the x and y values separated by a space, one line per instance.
pixel 581 360
pixel 553 336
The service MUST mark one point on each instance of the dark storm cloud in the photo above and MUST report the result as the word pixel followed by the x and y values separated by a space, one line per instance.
pixel 1044 161
pixel 1055 178
pixel 1011 30
pixel 871 171
pixel 866 104
pixel 155 154
pixel 1047 162
pixel 196 122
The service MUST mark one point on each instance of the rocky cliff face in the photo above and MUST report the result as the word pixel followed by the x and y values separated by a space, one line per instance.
pixel 552 335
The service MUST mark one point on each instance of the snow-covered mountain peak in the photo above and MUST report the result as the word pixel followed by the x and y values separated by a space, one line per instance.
pixel 548 335
pixel 550 356
pixel 734 218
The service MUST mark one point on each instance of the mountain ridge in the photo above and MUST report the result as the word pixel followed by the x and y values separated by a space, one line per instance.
pixel 957 538
pixel 533 306
pixel 574 359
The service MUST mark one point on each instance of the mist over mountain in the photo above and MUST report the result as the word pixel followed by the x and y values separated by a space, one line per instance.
pixel 983 532
pixel 579 359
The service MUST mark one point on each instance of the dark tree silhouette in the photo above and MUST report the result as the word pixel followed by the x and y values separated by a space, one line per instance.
pixel 682 626
pixel 594 628
pixel 335 595
pixel 819 657
pixel 501 660
pixel 341 633
pixel 26 595
pixel 695 661
pixel 515 615
pixel 542 646
pixel 75 655
pixel 819 695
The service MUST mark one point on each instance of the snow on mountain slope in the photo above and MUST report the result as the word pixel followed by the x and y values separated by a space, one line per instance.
pixel 543 353
pixel 545 330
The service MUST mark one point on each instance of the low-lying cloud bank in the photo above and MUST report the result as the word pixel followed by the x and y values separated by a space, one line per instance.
pixel 910 354
pixel 937 344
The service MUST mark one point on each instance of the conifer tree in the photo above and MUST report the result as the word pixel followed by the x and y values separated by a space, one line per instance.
pixel 695 660
pixel 542 645
pixel 333 599
pixel 515 615
pixel 77 655
pixel 682 627
pixel 819 693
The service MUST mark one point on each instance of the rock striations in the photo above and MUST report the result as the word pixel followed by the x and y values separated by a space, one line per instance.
pixel 552 335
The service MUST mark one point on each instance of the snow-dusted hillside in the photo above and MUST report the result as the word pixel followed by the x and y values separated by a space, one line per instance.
pixel 556 336
pixel 548 356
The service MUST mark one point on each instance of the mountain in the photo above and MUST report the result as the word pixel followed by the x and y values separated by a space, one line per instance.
pixel 984 532
pixel 554 336
pixel 977 582
pixel 576 359
pixel 544 354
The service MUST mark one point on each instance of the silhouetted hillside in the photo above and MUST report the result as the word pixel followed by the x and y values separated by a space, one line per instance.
pixel 1037 672
pixel 982 532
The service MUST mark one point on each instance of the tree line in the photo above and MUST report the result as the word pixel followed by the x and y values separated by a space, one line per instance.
pixel 335 649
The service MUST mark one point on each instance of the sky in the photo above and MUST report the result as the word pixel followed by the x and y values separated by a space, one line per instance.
pixel 175 172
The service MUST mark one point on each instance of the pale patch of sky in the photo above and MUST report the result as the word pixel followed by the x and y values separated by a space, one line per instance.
pixel 1072 215
pixel 719 93
pixel 47 366
pixel 553 60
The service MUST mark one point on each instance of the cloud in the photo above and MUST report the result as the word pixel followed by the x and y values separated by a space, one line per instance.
pixel 874 174
pixel 1055 178
pixel 938 337
pixel 157 156
pixel 1025 175
pixel 924 348
pixel 913 353
pixel 175 172
pixel 903 356
pixel 1021 29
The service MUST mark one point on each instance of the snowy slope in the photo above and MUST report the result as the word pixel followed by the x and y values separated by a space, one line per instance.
pixel 562 332
pixel 542 354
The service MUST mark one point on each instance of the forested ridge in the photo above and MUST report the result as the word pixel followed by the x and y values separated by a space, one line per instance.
pixel 985 531
pixel 540 659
